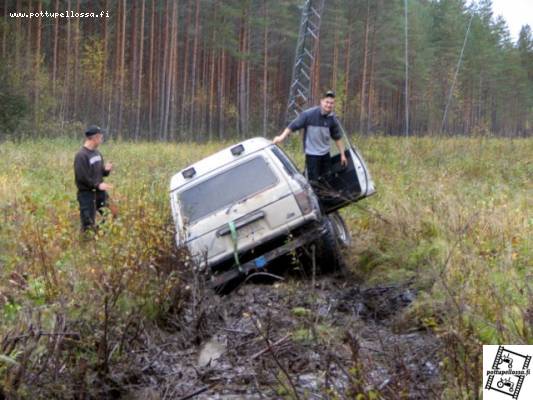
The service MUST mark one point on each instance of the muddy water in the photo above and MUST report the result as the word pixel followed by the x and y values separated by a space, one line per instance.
pixel 292 338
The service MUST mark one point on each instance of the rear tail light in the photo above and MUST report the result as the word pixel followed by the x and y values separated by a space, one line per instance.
pixel 304 201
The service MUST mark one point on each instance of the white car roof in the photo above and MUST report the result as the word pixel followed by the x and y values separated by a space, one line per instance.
pixel 217 160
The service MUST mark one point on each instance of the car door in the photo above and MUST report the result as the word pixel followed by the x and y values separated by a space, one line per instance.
pixel 345 185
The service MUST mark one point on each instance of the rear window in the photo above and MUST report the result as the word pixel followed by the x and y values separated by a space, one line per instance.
pixel 227 188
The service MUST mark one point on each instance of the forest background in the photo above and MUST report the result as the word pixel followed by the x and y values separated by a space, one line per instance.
pixel 210 70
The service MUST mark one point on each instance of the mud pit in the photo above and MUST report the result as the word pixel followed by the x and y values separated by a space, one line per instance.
pixel 291 339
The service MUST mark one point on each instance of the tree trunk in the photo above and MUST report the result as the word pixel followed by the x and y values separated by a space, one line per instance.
pixel 76 82
pixel 172 71
pixel 335 54
pixel 202 89
pixel 104 69
pixel 64 102
pixel 132 16
pixel 248 77
pixel 241 77
pixel 222 95
pixel 265 70
pixel 4 32
pixel 194 64
pixel 140 69
pixel 113 104
pixel 121 70
pixel 54 56
pixel 212 83
pixel 167 89
pixel 363 76
pixel 315 78
pixel 347 71
pixel 175 95
pixel 163 75
pixel 37 63
pixel 185 72
pixel 151 73
pixel 28 61
pixel 371 80
pixel 17 36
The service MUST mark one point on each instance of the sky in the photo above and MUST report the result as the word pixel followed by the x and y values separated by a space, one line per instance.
pixel 516 14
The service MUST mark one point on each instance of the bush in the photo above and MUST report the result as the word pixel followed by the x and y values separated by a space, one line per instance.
pixel 13 108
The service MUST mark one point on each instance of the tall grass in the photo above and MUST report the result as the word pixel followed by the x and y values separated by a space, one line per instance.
pixel 450 217
pixel 56 287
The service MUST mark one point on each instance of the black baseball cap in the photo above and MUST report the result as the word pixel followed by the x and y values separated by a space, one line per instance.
pixel 329 93
pixel 93 130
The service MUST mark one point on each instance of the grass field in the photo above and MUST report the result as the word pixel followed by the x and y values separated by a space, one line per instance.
pixel 451 218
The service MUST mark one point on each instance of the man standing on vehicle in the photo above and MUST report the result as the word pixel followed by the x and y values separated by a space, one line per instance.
pixel 89 171
pixel 319 125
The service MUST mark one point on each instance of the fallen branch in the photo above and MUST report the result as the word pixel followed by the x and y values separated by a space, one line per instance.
pixel 71 335
pixel 145 368
pixel 237 331
pixel 197 392
pixel 266 349
pixel 275 358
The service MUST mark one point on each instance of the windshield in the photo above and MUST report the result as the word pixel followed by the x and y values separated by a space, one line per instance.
pixel 227 188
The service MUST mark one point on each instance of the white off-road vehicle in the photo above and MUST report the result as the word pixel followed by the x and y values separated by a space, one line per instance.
pixel 248 204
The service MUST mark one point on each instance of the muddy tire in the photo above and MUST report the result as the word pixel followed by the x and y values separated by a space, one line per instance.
pixel 342 233
pixel 329 253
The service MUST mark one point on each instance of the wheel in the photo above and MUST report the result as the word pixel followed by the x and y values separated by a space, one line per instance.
pixel 344 238
pixel 329 253
pixel 499 384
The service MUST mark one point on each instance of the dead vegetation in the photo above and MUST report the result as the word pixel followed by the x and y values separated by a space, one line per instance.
pixel 439 266
pixel 295 339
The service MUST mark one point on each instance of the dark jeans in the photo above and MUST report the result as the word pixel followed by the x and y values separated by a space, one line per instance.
pixel 317 167
pixel 90 202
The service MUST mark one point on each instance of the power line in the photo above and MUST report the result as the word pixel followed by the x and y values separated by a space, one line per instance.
pixel 455 75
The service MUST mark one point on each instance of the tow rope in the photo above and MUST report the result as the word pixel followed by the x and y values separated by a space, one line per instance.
pixel 233 231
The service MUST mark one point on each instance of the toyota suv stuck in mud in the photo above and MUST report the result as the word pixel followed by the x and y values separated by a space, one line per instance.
pixel 244 206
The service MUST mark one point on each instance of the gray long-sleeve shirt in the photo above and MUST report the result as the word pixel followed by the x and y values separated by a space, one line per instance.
pixel 89 169
pixel 318 129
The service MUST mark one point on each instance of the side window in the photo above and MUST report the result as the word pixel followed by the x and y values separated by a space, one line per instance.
pixel 287 164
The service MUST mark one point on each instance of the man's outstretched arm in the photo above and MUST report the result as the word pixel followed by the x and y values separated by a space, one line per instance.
pixel 284 135
pixel 298 123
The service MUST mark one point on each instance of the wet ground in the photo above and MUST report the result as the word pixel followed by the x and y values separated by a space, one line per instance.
pixel 331 338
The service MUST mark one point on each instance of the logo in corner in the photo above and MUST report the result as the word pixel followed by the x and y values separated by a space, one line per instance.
pixel 507 377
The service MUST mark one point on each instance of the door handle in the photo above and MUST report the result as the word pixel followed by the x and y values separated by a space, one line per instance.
pixel 242 222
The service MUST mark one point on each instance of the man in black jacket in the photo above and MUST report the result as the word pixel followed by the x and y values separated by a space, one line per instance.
pixel 89 171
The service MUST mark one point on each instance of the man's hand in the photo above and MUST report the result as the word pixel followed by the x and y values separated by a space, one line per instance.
pixel 282 137
pixel 344 161
pixel 104 186
pixel 340 146
pixel 108 167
